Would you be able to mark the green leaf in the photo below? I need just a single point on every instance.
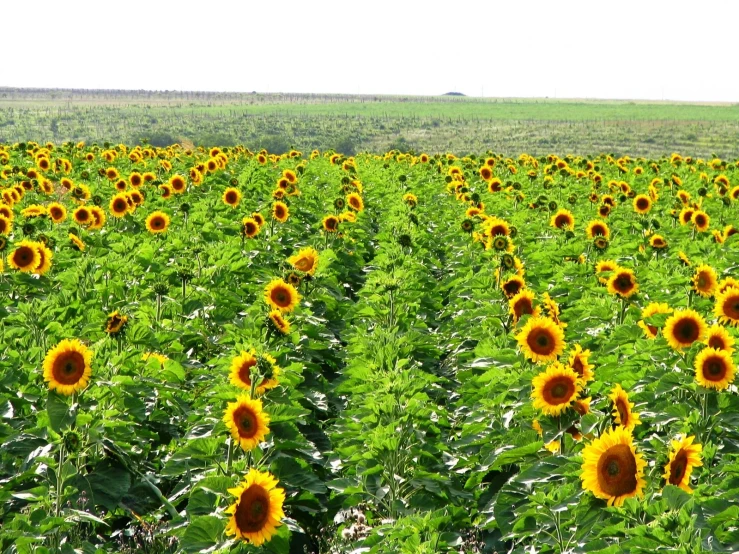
(202, 534)
(60, 413)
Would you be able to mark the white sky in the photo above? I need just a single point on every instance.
(649, 49)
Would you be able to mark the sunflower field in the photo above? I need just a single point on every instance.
(218, 350)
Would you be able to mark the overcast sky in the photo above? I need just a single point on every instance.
(645, 49)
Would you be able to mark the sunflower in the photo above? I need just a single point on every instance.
(67, 367)
(6, 225)
(136, 179)
(6, 211)
(231, 197)
(541, 340)
(25, 257)
(410, 199)
(555, 389)
(115, 323)
(77, 242)
(684, 259)
(598, 228)
(701, 220)
(727, 306)
(657, 241)
(178, 184)
(246, 421)
(157, 222)
(250, 227)
(135, 197)
(330, 223)
(496, 226)
(653, 308)
(486, 173)
(623, 283)
(686, 216)
(259, 218)
(278, 322)
(684, 456)
(45, 255)
(622, 409)
(98, 218)
(290, 176)
(118, 206)
(705, 281)
(306, 260)
(121, 185)
(82, 216)
(280, 211)
(513, 286)
(605, 266)
(579, 361)
(355, 202)
(612, 469)
(563, 219)
(642, 204)
(683, 328)
(714, 369)
(241, 365)
(495, 185)
(523, 304)
(166, 191)
(112, 173)
(256, 514)
(720, 339)
(281, 295)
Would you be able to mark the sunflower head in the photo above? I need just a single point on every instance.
(306, 260)
(642, 204)
(720, 339)
(231, 197)
(257, 512)
(541, 340)
(579, 361)
(612, 469)
(726, 308)
(598, 228)
(555, 389)
(247, 422)
(654, 308)
(684, 328)
(563, 219)
(25, 257)
(513, 286)
(67, 367)
(281, 295)
(705, 280)
(622, 409)
(280, 212)
(623, 283)
(115, 323)
(157, 222)
(277, 322)
(714, 369)
(248, 364)
(684, 456)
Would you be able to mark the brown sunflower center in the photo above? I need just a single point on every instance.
(700, 220)
(231, 197)
(250, 229)
(559, 391)
(23, 256)
(562, 221)
(246, 422)
(541, 342)
(245, 371)
(642, 203)
(714, 369)
(623, 412)
(281, 297)
(252, 511)
(157, 222)
(717, 342)
(68, 368)
(624, 283)
(617, 471)
(304, 264)
(687, 331)
(731, 307)
(678, 467)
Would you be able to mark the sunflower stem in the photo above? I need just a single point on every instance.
(229, 462)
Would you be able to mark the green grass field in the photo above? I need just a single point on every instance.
(353, 123)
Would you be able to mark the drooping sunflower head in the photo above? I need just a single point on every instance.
(231, 197)
(6, 225)
(579, 361)
(654, 308)
(714, 369)
(45, 255)
(115, 323)
(513, 286)
(281, 295)
(686, 215)
(245, 363)
(563, 219)
(555, 389)
(250, 227)
(622, 409)
(541, 340)
(612, 469)
(280, 211)
(705, 280)
(278, 322)
(623, 283)
(657, 241)
(523, 304)
(684, 456)
(726, 308)
(157, 222)
(247, 422)
(306, 260)
(259, 218)
(257, 512)
(67, 367)
(77, 242)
